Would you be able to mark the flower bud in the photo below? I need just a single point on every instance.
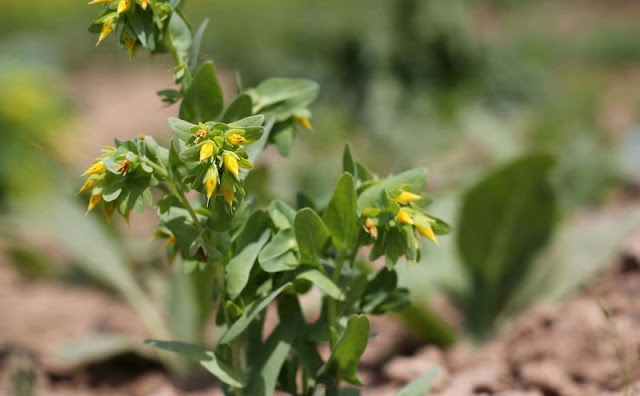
(144, 4)
(210, 182)
(201, 134)
(304, 121)
(403, 217)
(97, 168)
(88, 184)
(231, 163)
(93, 201)
(236, 139)
(371, 228)
(406, 197)
(123, 6)
(123, 167)
(227, 189)
(107, 29)
(130, 45)
(428, 232)
(108, 212)
(206, 151)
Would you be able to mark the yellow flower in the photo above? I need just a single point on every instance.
(97, 168)
(123, 167)
(428, 232)
(236, 139)
(93, 201)
(130, 45)
(403, 217)
(100, 1)
(304, 121)
(108, 212)
(373, 230)
(201, 134)
(144, 4)
(406, 197)
(211, 182)
(107, 29)
(89, 183)
(228, 191)
(123, 6)
(206, 151)
(231, 163)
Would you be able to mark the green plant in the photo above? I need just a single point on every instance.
(249, 257)
(505, 221)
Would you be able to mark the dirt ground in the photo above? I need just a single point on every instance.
(588, 345)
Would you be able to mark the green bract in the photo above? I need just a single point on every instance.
(243, 257)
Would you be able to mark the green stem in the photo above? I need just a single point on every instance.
(332, 307)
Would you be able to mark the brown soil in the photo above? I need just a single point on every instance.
(589, 345)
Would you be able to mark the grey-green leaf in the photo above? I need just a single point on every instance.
(311, 234)
(238, 269)
(203, 99)
(207, 358)
(346, 354)
(415, 179)
(323, 282)
(341, 216)
(181, 128)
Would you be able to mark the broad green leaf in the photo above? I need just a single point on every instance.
(341, 216)
(240, 108)
(195, 47)
(323, 282)
(207, 358)
(203, 99)
(249, 121)
(415, 179)
(238, 270)
(285, 262)
(250, 312)
(420, 386)
(311, 234)
(181, 128)
(347, 351)
(281, 243)
(283, 136)
(281, 97)
(505, 220)
(281, 214)
(180, 34)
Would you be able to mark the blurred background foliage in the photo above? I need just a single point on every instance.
(460, 87)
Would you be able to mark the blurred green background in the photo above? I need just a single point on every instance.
(458, 86)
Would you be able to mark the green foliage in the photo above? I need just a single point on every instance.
(249, 257)
(506, 220)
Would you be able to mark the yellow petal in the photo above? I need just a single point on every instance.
(373, 230)
(93, 201)
(428, 232)
(210, 183)
(97, 168)
(304, 121)
(236, 139)
(206, 151)
(130, 45)
(100, 1)
(108, 212)
(89, 183)
(123, 6)
(404, 217)
(405, 197)
(144, 4)
(107, 29)
(231, 163)
(227, 193)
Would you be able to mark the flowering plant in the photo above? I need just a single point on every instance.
(257, 256)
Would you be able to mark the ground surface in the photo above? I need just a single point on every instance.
(588, 345)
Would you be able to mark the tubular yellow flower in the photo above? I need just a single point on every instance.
(403, 217)
(304, 121)
(428, 232)
(93, 201)
(97, 168)
(123, 6)
(130, 45)
(206, 151)
(236, 139)
(406, 197)
(107, 29)
(89, 183)
(231, 163)
(373, 230)
(227, 191)
(211, 182)
(108, 212)
(144, 4)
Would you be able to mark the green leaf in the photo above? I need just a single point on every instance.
(207, 358)
(241, 107)
(281, 214)
(195, 48)
(505, 220)
(181, 128)
(282, 97)
(239, 268)
(203, 99)
(348, 164)
(285, 262)
(311, 235)
(420, 386)
(281, 243)
(323, 282)
(347, 351)
(180, 34)
(250, 312)
(414, 179)
(283, 136)
(341, 216)
(98, 348)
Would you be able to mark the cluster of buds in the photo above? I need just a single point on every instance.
(219, 150)
(129, 17)
(120, 178)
